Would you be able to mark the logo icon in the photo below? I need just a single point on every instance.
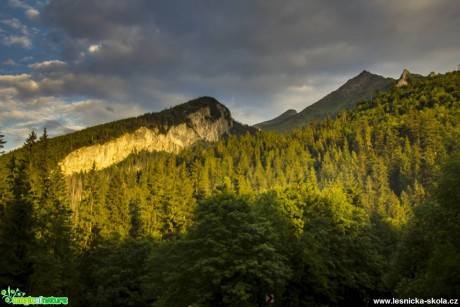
(8, 294)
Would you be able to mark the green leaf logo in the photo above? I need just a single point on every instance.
(7, 295)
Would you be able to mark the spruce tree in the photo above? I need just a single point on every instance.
(30, 149)
(2, 143)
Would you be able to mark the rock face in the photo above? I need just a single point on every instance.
(199, 126)
(402, 81)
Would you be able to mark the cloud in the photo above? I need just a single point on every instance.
(32, 14)
(15, 24)
(207, 39)
(52, 81)
(21, 115)
(94, 48)
(48, 65)
(23, 36)
(18, 3)
(22, 41)
(21, 83)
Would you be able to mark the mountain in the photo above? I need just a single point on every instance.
(361, 87)
(201, 119)
(277, 120)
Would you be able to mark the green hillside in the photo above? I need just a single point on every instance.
(343, 211)
(100, 134)
(361, 87)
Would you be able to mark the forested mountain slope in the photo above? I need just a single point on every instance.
(341, 212)
(361, 87)
(201, 119)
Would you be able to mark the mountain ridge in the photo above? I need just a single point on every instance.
(289, 113)
(360, 87)
(197, 127)
(170, 130)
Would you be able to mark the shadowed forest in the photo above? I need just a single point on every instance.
(361, 206)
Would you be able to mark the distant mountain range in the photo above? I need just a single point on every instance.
(362, 87)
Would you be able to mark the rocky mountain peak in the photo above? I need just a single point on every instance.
(403, 80)
(365, 73)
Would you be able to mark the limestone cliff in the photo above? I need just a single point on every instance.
(200, 125)
(403, 80)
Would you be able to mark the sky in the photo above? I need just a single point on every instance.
(69, 64)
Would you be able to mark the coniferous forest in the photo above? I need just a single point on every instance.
(348, 209)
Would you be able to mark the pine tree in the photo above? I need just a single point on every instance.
(44, 162)
(2, 143)
(30, 149)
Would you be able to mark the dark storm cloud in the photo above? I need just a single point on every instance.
(250, 46)
(240, 36)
